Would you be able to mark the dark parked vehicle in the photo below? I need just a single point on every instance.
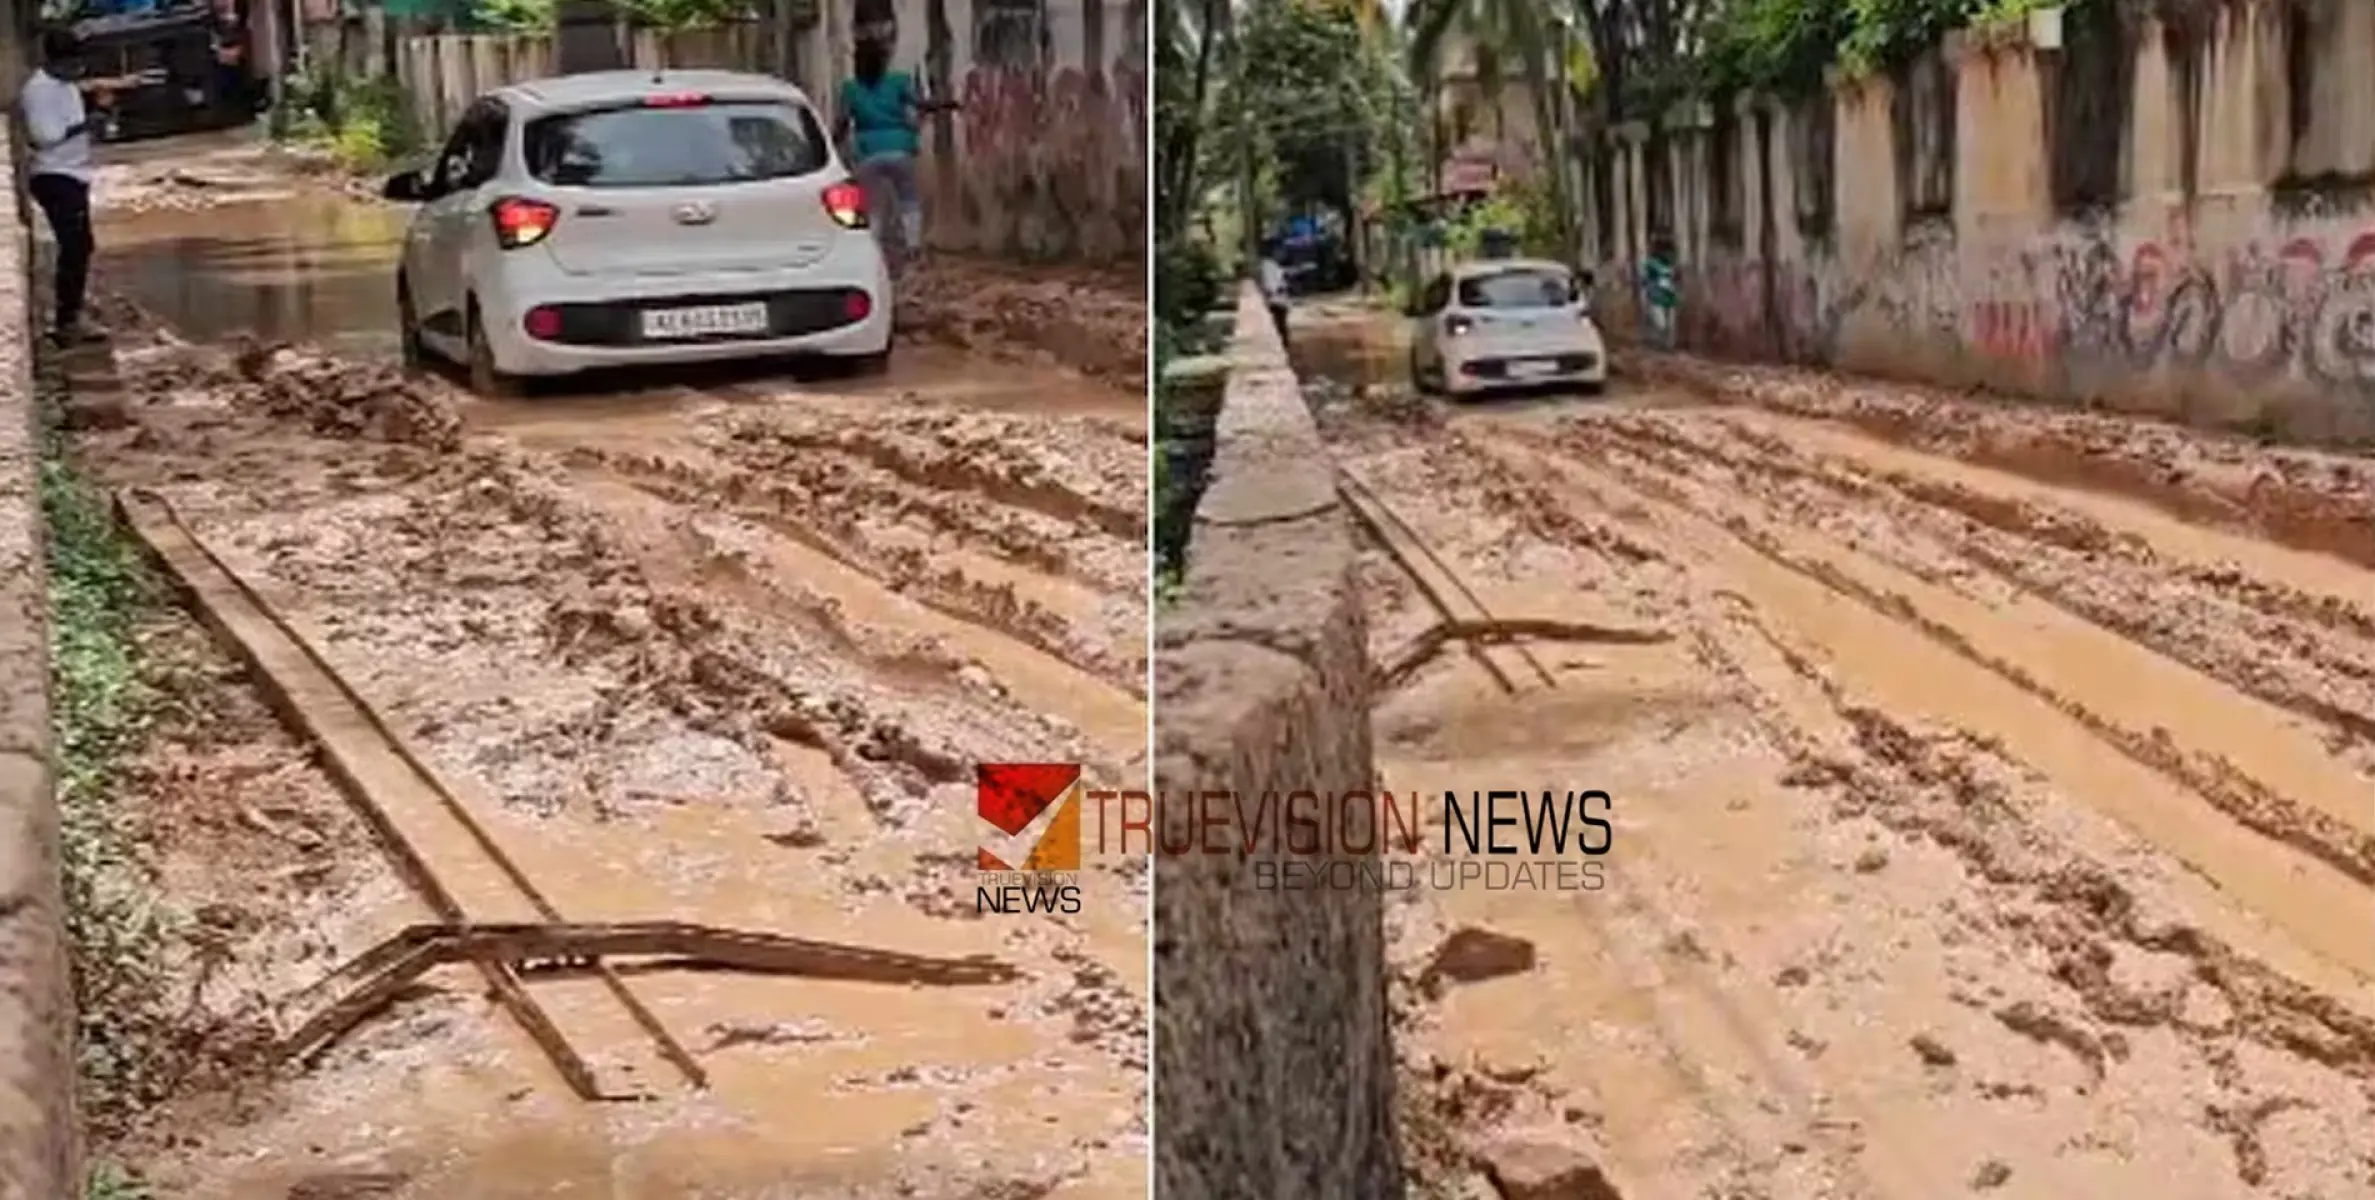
(172, 68)
(1315, 261)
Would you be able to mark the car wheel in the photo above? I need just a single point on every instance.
(485, 378)
(1419, 381)
(408, 326)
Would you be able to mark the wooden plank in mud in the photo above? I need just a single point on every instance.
(419, 824)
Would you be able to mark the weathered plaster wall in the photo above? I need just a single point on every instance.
(1273, 1058)
(1047, 159)
(37, 1127)
(2226, 277)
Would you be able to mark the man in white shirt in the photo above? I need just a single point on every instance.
(59, 129)
(1271, 278)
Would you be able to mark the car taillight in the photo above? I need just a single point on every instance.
(845, 202)
(1455, 326)
(522, 222)
(676, 100)
(857, 306)
(543, 323)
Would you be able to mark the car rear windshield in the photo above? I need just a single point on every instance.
(1518, 289)
(643, 146)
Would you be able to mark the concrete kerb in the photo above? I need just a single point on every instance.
(1273, 1059)
(39, 1148)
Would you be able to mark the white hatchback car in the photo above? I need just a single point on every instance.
(622, 218)
(1501, 323)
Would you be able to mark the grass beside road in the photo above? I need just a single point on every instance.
(101, 709)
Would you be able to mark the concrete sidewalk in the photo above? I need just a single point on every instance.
(38, 1139)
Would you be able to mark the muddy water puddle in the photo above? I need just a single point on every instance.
(321, 269)
(295, 268)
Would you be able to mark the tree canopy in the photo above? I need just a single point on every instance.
(1314, 91)
(1635, 58)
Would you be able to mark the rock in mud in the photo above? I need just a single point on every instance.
(1533, 1170)
(348, 1185)
(341, 398)
(1472, 955)
(1089, 321)
(1931, 1051)
(94, 414)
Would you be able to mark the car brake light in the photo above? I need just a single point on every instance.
(845, 202)
(1456, 325)
(857, 306)
(676, 100)
(543, 323)
(521, 222)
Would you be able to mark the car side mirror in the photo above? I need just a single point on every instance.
(411, 187)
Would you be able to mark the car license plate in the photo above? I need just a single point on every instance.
(1533, 368)
(708, 320)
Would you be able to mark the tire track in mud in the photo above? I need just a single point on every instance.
(1994, 521)
(684, 711)
(1650, 521)
(2305, 500)
(1960, 792)
(2285, 887)
(2331, 825)
(798, 515)
(2299, 651)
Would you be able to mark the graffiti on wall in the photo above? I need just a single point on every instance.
(1009, 34)
(1054, 158)
(2296, 306)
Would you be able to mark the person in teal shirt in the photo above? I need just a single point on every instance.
(881, 114)
(1659, 292)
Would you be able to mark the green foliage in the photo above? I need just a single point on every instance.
(1187, 282)
(1779, 46)
(1783, 46)
(1168, 502)
(521, 15)
(685, 14)
(101, 709)
(1527, 212)
(367, 124)
(106, 1181)
(1313, 95)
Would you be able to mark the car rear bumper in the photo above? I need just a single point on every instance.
(1494, 373)
(601, 317)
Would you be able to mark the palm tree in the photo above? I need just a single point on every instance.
(1187, 36)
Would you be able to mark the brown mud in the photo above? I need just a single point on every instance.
(222, 234)
(723, 654)
(2000, 816)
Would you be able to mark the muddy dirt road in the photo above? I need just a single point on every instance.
(722, 650)
(1998, 814)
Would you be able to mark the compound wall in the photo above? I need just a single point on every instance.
(37, 1128)
(1047, 158)
(1273, 1060)
(2169, 218)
